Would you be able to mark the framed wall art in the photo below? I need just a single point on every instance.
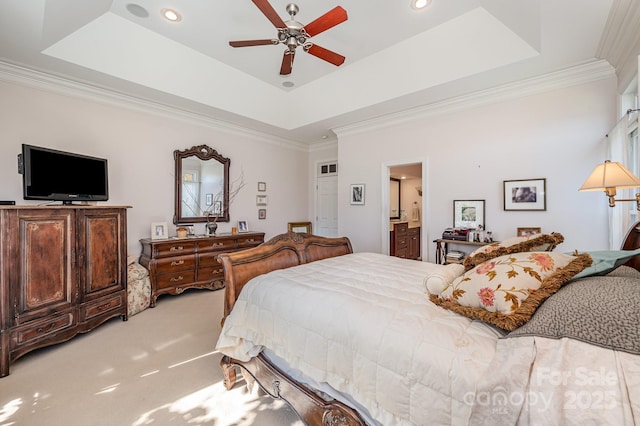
(261, 200)
(262, 213)
(357, 194)
(468, 214)
(525, 195)
(262, 186)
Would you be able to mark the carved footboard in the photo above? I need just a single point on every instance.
(283, 251)
(314, 410)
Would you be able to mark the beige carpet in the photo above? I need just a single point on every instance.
(158, 368)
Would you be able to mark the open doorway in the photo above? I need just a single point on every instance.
(405, 211)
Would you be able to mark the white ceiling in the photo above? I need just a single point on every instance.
(397, 58)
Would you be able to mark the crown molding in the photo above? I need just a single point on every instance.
(24, 76)
(579, 74)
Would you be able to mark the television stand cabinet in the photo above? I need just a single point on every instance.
(63, 271)
(177, 264)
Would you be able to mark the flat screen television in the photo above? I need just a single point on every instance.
(49, 174)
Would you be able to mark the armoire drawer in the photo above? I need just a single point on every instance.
(41, 329)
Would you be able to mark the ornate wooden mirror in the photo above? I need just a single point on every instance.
(201, 185)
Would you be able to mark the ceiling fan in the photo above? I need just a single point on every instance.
(293, 34)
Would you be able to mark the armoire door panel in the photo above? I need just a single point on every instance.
(103, 253)
(46, 252)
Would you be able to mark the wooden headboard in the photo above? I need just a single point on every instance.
(280, 252)
(632, 242)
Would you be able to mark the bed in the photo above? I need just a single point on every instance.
(393, 341)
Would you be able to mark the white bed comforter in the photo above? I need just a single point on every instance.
(363, 324)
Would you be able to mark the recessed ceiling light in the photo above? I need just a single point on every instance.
(288, 84)
(171, 15)
(420, 4)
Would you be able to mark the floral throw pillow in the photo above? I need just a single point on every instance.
(506, 291)
(535, 242)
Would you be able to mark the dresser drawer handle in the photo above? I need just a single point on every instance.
(216, 271)
(176, 248)
(103, 307)
(177, 262)
(178, 278)
(250, 240)
(217, 244)
(46, 328)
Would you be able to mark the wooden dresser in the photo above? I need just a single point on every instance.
(176, 264)
(404, 241)
(63, 272)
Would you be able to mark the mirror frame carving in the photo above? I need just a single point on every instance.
(204, 153)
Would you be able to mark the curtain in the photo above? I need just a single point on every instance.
(620, 217)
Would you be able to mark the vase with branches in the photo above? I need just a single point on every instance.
(218, 208)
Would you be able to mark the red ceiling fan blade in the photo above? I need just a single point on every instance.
(287, 62)
(326, 54)
(330, 19)
(268, 11)
(246, 43)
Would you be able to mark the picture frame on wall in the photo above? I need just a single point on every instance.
(262, 213)
(159, 231)
(357, 194)
(468, 214)
(261, 200)
(262, 186)
(525, 195)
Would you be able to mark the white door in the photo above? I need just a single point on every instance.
(327, 206)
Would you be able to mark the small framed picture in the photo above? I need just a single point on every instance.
(523, 232)
(528, 194)
(217, 208)
(261, 200)
(262, 186)
(262, 213)
(243, 226)
(159, 231)
(357, 194)
(209, 199)
(468, 214)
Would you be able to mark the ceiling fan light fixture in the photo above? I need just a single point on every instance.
(171, 15)
(420, 4)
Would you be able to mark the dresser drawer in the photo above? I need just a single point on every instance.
(402, 241)
(178, 263)
(209, 260)
(249, 241)
(101, 306)
(40, 329)
(176, 248)
(207, 274)
(176, 279)
(219, 244)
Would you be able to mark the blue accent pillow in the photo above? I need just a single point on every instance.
(605, 261)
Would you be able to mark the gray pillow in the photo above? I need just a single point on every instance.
(600, 310)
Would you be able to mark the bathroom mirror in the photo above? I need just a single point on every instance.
(394, 199)
(201, 185)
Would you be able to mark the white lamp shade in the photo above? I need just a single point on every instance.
(610, 175)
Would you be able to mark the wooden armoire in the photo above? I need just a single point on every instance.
(62, 272)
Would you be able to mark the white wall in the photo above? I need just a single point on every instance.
(557, 135)
(139, 147)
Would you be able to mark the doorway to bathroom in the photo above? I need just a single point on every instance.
(404, 219)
